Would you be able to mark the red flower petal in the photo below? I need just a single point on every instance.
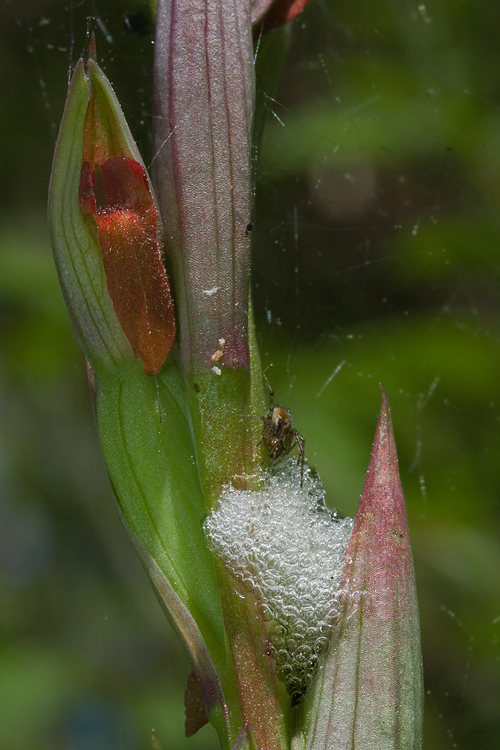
(117, 196)
(268, 15)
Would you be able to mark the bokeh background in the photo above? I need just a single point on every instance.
(377, 238)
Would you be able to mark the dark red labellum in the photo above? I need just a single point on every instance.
(117, 196)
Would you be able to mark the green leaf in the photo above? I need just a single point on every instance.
(146, 439)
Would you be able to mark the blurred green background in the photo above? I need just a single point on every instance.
(377, 242)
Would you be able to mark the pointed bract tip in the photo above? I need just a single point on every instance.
(385, 400)
(92, 50)
(384, 457)
(385, 408)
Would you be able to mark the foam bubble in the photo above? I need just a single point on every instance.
(287, 548)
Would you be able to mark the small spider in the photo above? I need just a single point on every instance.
(279, 434)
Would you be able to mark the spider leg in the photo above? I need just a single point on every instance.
(271, 392)
(300, 445)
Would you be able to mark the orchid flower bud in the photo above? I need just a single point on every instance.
(105, 231)
(267, 14)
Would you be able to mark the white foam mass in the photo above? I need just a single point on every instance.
(287, 548)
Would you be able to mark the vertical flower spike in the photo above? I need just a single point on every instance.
(369, 695)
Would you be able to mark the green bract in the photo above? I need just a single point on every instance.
(76, 251)
(369, 694)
